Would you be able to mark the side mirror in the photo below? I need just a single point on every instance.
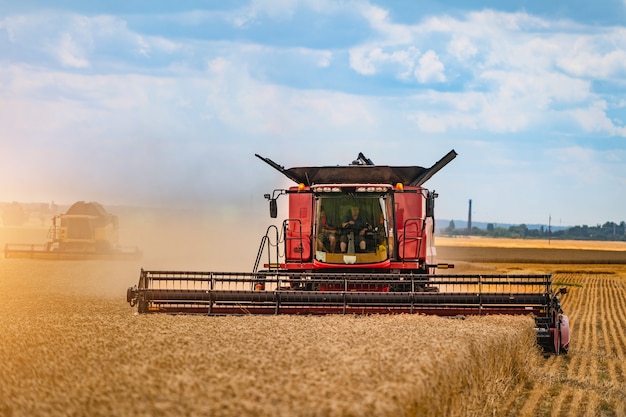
(563, 290)
(430, 204)
(273, 208)
(430, 207)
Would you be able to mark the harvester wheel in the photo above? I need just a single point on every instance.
(130, 296)
(562, 350)
(142, 305)
(557, 337)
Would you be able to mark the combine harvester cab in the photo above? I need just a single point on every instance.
(358, 239)
(85, 231)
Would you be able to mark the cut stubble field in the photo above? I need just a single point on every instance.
(72, 346)
(591, 379)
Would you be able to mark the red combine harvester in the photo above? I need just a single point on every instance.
(358, 240)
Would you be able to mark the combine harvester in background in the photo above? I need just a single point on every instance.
(358, 240)
(85, 231)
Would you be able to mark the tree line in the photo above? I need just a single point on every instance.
(607, 231)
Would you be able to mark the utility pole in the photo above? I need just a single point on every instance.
(549, 225)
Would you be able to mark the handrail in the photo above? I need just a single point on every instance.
(287, 238)
(266, 240)
(417, 237)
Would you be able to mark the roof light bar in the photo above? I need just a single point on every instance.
(375, 188)
(327, 189)
(370, 189)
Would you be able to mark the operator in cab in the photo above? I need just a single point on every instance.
(357, 224)
(327, 235)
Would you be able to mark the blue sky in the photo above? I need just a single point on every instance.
(166, 103)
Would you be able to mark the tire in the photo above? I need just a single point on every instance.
(558, 342)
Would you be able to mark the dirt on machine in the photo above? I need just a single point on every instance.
(85, 231)
(357, 239)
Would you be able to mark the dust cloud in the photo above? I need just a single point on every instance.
(191, 240)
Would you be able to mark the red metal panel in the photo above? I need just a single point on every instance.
(410, 211)
(298, 238)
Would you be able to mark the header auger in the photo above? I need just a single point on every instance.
(358, 239)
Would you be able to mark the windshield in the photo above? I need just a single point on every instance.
(352, 228)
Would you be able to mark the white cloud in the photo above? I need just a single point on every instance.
(390, 33)
(143, 46)
(514, 103)
(361, 60)
(11, 25)
(538, 91)
(369, 60)
(593, 119)
(462, 48)
(276, 10)
(250, 106)
(491, 20)
(218, 65)
(250, 14)
(584, 60)
(70, 53)
(430, 68)
(325, 59)
(243, 19)
(76, 41)
(319, 57)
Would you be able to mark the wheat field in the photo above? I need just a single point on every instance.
(72, 346)
(591, 379)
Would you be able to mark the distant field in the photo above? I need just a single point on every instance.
(529, 243)
(478, 249)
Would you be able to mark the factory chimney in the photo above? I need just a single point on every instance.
(469, 218)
